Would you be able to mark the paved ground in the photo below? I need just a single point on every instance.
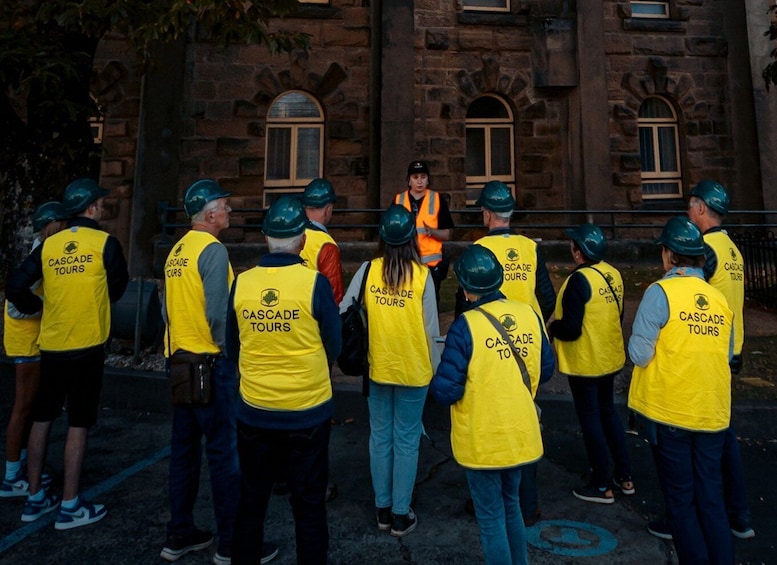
(126, 469)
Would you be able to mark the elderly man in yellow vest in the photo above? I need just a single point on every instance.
(284, 330)
(198, 276)
(681, 344)
(433, 221)
(83, 271)
(495, 356)
(321, 252)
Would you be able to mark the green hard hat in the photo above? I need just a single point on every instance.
(478, 270)
(682, 236)
(286, 218)
(496, 196)
(48, 212)
(200, 193)
(590, 239)
(397, 225)
(80, 193)
(318, 194)
(713, 194)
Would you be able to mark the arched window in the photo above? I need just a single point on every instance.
(490, 154)
(649, 9)
(295, 141)
(96, 125)
(659, 149)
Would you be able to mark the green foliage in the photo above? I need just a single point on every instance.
(770, 72)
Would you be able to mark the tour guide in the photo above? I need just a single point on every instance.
(283, 328)
(681, 344)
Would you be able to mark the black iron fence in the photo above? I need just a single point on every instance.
(759, 250)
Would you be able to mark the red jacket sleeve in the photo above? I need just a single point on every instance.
(329, 266)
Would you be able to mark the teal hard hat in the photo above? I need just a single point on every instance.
(48, 212)
(478, 270)
(318, 194)
(590, 239)
(682, 236)
(200, 193)
(713, 194)
(286, 218)
(496, 197)
(80, 193)
(397, 225)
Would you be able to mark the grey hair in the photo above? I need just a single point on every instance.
(285, 245)
(200, 216)
(503, 215)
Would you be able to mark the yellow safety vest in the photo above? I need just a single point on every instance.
(599, 350)
(76, 306)
(518, 256)
(729, 278)
(495, 424)
(283, 364)
(314, 241)
(687, 384)
(20, 336)
(428, 208)
(399, 351)
(185, 296)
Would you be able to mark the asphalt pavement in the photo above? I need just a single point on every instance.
(126, 469)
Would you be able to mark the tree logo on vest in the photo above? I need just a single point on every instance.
(701, 302)
(178, 250)
(512, 255)
(608, 277)
(508, 322)
(733, 253)
(270, 297)
(70, 247)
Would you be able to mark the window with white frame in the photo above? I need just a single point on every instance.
(486, 5)
(295, 141)
(659, 149)
(490, 156)
(649, 9)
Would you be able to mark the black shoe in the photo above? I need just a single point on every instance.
(269, 552)
(660, 529)
(178, 546)
(280, 488)
(601, 495)
(403, 524)
(741, 530)
(384, 518)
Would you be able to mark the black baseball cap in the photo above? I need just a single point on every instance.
(417, 167)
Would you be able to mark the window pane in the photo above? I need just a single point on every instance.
(668, 149)
(649, 9)
(500, 152)
(293, 105)
(487, 107)
(655, 108)
(476, 152)
(278, 153)
(308, 151)
(653, 188)
(646, 150)
(485, 4)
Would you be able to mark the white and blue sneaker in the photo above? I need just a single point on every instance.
(83, 514)
(34, 509)
(19, 486)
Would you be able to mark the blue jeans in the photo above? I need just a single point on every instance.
(217, 423)
(734, 482)
(302, 458)
(689, 470)
(395, 432)
(602, 428)
(502, 532)
(528, 494)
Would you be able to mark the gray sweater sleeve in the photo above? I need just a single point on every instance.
(213, 265)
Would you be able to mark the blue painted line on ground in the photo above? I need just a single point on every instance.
(19, 535)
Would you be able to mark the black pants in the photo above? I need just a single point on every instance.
(302, 456)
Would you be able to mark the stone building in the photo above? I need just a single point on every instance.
(584, 105)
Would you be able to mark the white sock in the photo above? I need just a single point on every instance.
(38, 496)
(70, 504)
(11, 469)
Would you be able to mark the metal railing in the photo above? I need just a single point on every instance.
(759, 251)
